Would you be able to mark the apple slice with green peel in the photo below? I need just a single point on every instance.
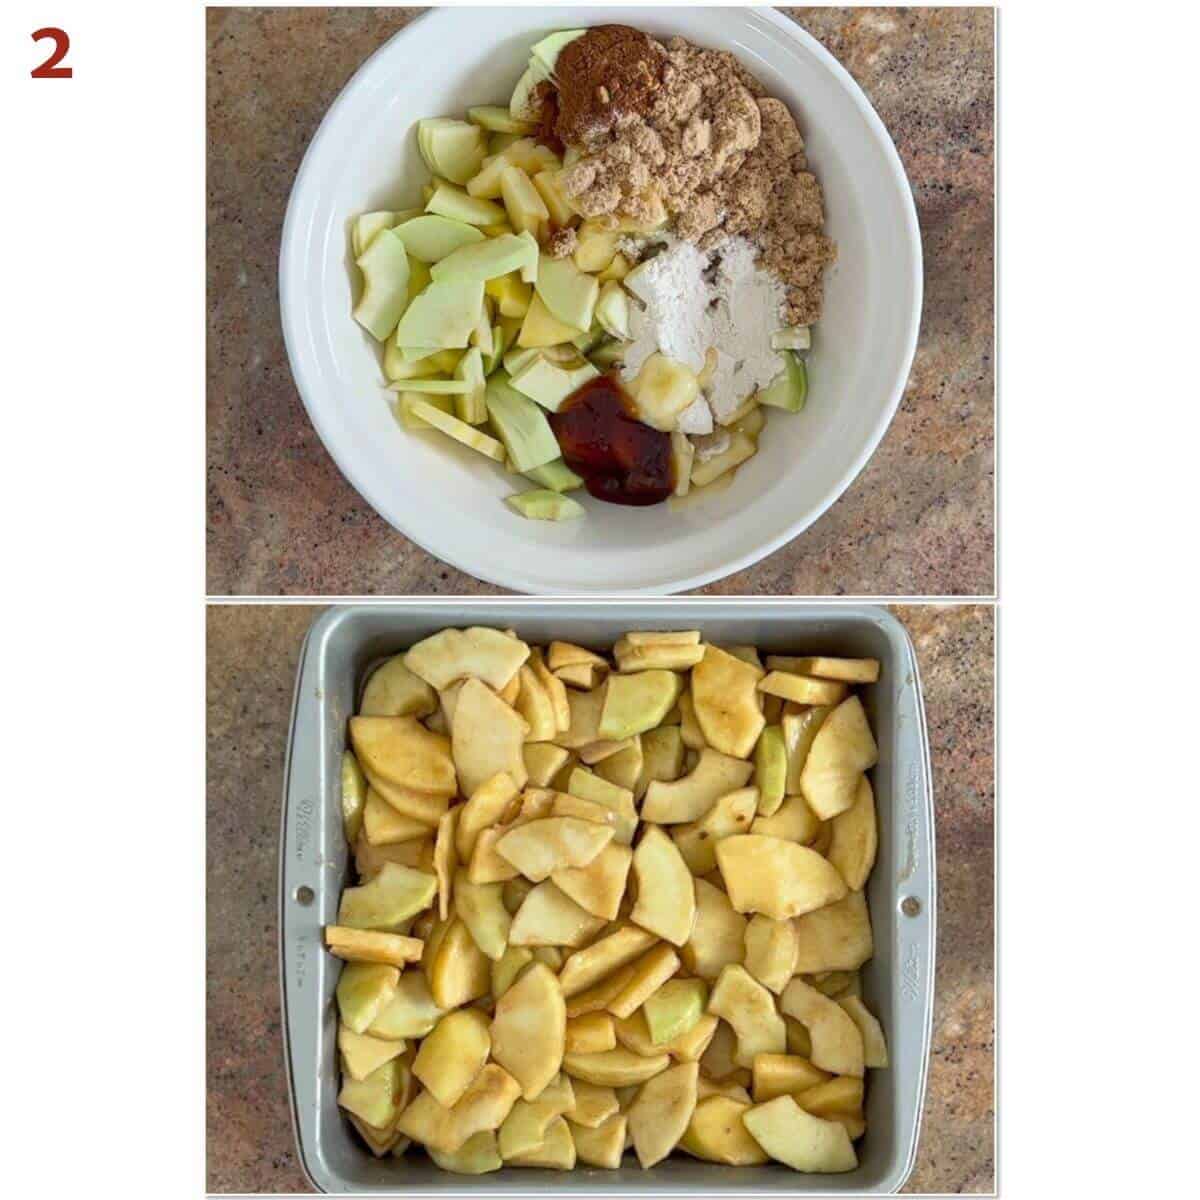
(546, 51)
(529, 269)
(521, 106)
(455, 204)
(541, 504)
(366, 226)
(635, 703)
(453, 149)
(612, 309)
(674, 1009)
(556, 476)
(432, 387)
(550, 384)
(469, 405)
(492, 358)
(521, 425)
(789, 389)
(460, 431)
(567, 292)
(384, 265)
(485, 260)
(526, 208)
(496, 119)
(363, 991)
(429, 238)
(443, 315)
(794, 337)
(411, 420)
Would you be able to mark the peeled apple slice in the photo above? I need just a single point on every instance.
(430, 238)
(497, 120)
(443, 315)
(484, 260)
(384, 265)
(453, 149)
(460, 431)
(366, 227)
(452, 202)
(567, 292)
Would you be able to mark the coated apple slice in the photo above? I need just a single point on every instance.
(725, 698)
(487, 654)
(660, 1115)
(779, 878)
(837, 1045)
(487, 737)
(666, 895)
(529, 1029)
(541, 847)
(688, 799)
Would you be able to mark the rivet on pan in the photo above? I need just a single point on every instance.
(305, 895)
(910, 906)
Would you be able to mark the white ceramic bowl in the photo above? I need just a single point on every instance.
(448, 499)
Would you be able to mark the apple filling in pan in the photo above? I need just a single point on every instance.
(641, 213)
(607, 902)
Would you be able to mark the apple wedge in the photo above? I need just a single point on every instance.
(534, 704)
(587, 785)
(598, 887)
(848, 670)
(716, 1134)
(540, 848)
(666, 896)
(584, 727)
(798, 1140)
(486, 654)
(718, 934)
(387, 901)
(457, 970)
(601, 1145)
(624, 768)
(725, 697)
(363, 1054)
(800, 724)
(874, 1043)
(749, 1008)
(636, 703)
(480, 907)
(543, 761)
(483, 1106)
(556, 1151)
(363, 945)
(646, 976)
(800, 689)
(383, 825)
(674, 1009)
(445, 859)
(591, 1033)
(834, 938)
(615, 1068)
(854, 838)
(660, 1114)
(778, 878)
(375, 1099)
(784, 1074)
(488, 805)
(478, 1155)
(487, 737)
(363, 991)
(793, 821)
(402, 751)
(529, 1030)
(451, 1056)
(771, 949)
(604, 957)
(688, 799)
(410, 1012)
(837, 1045)
(548, 917)
(697, 840)
(843, 748)
(354, 796)
(394, 691)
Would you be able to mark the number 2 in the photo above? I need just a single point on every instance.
(50, 68)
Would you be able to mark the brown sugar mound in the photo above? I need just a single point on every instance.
(702, 145)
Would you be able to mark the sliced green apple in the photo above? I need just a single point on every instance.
(443, 315)
(484, 260)
(453, 149)
(452, 202)
(384, 265)
(567, 292)
(789, 389)
(429, 238)
(521, 425)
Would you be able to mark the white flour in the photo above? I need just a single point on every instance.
(684, 314)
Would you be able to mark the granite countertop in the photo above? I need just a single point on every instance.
(252, 656)
(281, 518)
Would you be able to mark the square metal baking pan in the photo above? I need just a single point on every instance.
(341, 647)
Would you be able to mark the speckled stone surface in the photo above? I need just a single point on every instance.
(282, 520)
(252, 656)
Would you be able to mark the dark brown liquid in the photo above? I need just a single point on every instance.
(620, 459)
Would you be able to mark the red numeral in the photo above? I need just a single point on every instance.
(50, 68)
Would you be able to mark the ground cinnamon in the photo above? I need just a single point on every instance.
(612, 71)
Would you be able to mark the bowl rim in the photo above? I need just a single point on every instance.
(514, 579)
